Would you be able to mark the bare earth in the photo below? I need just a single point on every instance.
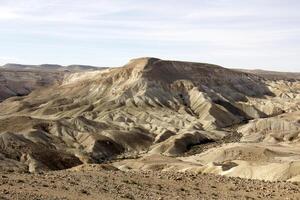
(93, 182)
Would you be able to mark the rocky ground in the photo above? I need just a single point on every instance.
(103, 182)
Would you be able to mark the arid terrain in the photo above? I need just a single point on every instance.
(103, 182)
(20, 80)
(151, 129)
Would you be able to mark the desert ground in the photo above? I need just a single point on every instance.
(104, 182)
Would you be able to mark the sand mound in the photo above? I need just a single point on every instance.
(180, 143)
(255, 161)
(282, 128)
(155, 162)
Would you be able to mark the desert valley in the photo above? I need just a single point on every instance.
(151, 129)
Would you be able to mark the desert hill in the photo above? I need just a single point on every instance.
(20, 80)
(152, 108)
(48, 67)
(274, 75)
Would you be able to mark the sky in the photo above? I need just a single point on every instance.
(250, 34)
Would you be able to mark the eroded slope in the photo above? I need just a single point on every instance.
(149, 107)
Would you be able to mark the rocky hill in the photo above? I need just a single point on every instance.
(274, 75)
(48, 67)
(20, 80)
(152, 109)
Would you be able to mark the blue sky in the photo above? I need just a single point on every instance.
(232, 33)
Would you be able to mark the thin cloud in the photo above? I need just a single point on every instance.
(218, 28)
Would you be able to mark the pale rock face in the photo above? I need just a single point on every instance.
(153, 108)
(282, 128)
